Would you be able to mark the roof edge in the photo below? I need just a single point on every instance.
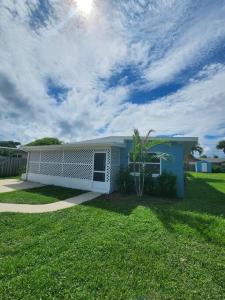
(72, 146)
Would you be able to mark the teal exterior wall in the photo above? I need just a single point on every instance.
(175, 165)
(198, 166)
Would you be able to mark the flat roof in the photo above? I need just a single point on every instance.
(72, 146)
(110, 141)
(212, 160)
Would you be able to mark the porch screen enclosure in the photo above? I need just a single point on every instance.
(87, 165)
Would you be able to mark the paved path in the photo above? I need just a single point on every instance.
(44, 208)
(10, 185)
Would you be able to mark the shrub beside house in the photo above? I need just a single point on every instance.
(93, 165)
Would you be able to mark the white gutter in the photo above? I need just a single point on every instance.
(72, 146)
(10, 148)
(27, 166)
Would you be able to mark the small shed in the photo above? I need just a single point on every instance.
(203, 166)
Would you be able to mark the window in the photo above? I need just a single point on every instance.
(99, 166)
(99, 176)
(152, 165)
(99, 162)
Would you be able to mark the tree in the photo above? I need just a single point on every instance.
(203, 156)
(215, 156)
(198, 149)
(8, 144)
(45, 141)
(221, 146)
(139, 156)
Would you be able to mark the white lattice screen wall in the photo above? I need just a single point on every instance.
(67, 163)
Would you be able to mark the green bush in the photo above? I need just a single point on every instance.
(218, 169)
(124, 181)
(151, 185)
(167, 185)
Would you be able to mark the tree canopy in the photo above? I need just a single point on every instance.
(221, 146)
(198, 149)
(45, 141)
(9, 144)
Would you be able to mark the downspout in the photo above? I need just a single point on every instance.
(28, 158)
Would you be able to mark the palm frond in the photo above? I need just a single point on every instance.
(152, 143)
(162, 155)
(147, 135)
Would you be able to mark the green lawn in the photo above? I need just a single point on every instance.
(11, 177)
(118, 247)
(41, 195)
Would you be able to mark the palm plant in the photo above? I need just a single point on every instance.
(141, 148)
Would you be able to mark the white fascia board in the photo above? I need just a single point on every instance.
(74, 146)
(170, 139)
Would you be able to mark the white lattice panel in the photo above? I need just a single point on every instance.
(53, 169)
(71, 163)
(51, 156)
(108, 164)
(77, 171)
(84, 156)
(35, 156)
(33, 167)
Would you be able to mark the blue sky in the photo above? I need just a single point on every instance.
(75, 74)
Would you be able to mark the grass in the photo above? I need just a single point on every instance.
(41, 195)
(11, 177)
(118, 247)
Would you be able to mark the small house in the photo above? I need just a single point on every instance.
(93, 165)
(206, 165)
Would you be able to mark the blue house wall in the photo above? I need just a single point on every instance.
(175, 165)
(198, 166)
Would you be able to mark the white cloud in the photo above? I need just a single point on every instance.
(196, 110)
(201, 34)
(159, 39)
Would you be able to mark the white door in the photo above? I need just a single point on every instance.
(99, 172)
(204, 167)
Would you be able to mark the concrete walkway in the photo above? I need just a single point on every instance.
(44, 208)
(10, 185)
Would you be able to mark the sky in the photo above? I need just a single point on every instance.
(77, 72)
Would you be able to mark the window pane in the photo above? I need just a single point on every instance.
(152, 168)
(99, 176)
(131, 157)
(134, 167)
(151, 157)
(99, 162)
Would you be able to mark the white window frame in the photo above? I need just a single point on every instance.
(147, 163)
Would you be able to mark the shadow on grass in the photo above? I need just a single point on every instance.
(200, 197)
(196, 212)
(60, 193)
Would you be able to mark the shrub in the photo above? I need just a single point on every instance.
(218, 169)
(167, 185)
(151, 185)
(124, 181)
